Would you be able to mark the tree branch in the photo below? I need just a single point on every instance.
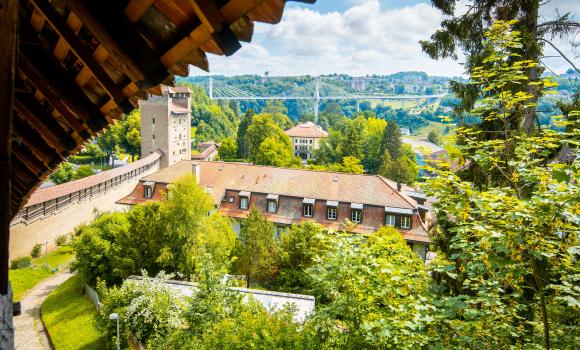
(561, 54)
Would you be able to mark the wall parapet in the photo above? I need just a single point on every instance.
(51, 200)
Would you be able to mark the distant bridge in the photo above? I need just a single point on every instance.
(315, 89)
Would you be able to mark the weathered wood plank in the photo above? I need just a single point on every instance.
(8, 44)
(137, 8)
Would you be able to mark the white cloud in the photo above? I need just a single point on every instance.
(364, 39)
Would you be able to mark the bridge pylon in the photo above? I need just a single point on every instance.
(316, 98)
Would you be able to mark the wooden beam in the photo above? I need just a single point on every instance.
(54, 82)
(217, 25)
(137, 8)
(8, 45)
(84, 54)
(29, 137)
(108, 23)
(31, 111)
(29, 159)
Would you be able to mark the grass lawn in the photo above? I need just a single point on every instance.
(69, 317)
(24, 279)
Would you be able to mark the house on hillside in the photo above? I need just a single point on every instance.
(355, 203)
(305, 139)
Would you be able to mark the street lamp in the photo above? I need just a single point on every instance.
(115, 316)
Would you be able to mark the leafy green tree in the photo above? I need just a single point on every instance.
(434, 136)
(371, 294)
(279, 113)
(130, 133)
(172, 236)
(300, 245)
(64, 173)
(329, 150)
(83, 171)
(148, 310)
(228, 149)
(506, 257)
(243, 150)
(373, 132)
(349, 165)
(109, 141)
(276, 152)
(465, 30)
(262, 127)
(391, 141)
(403, 169)
(352, 143)
(256, 250)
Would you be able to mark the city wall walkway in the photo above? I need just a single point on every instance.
(58, 210)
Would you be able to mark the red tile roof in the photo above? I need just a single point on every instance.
(352, 188)
(49, 193)
(308, 129)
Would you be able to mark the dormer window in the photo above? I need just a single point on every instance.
(356, 212)
(398, 217)
(405, 222)
(390, 220)
(272, 200)
(308, 207)
(331, 210)
(148, 188)
(244, 200)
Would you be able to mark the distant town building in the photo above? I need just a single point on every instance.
(165, 124)
(305, 139)
(339, 202)
(405, 131)
(425, 151)
(358, 84)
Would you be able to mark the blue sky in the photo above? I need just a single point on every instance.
(356, 37)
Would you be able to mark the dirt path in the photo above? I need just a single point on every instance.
(30, 334)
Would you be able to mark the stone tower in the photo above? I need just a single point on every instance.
(166, 123)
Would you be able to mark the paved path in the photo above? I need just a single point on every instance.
(29, 331)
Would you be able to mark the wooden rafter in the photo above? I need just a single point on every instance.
(28, 137)
(83, 53)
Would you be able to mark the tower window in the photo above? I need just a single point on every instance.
(153, 136)
(154, 121)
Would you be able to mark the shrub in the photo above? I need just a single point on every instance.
(61, 240)
(21, 263)
(82, 159)
(36, 250)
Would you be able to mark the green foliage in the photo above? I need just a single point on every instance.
(148, 310)
(154, 237)
(61, 240)
(276, 151)
(243, 150)
(36, 250)
(352, 142)
(434, 136)
(130, 133)
(83, 171)
(109, 141)
(403, 169)
(255, 249)
(299, 246)
(228, 149)
(370, 295)
(391, 141)
(219, 318)
(506, 244)
(349, 165)
(70, 317)
(21, 263)
(64, 173)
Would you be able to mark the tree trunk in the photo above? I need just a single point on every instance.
(248, 281)
(532, 51)
(545, 321)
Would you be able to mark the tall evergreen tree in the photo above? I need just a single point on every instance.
(256, 248)
(242, 129)
(352, 143)
(466, 30)
(391, 141)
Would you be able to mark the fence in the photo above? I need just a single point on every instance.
(51, 200)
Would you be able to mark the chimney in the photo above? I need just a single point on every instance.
(399, 186)
(196, 171)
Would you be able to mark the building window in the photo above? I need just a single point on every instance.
(356, 216)
(390, 220)
(405, 221)
(331, 213)
(231, 199)
(153, 136)
(244, 202)
(308, 210)
(148, 192)
(272, 206)
(153, 121)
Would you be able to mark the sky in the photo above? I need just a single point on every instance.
(358, 37)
